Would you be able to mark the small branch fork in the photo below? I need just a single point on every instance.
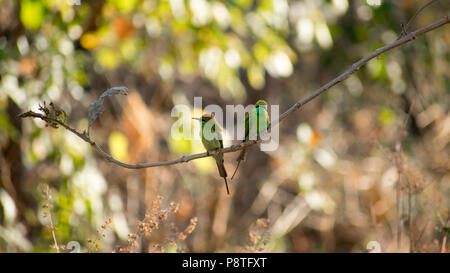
(406, 38)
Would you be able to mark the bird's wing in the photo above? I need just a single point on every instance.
(218, 131)
(247, 126)
(266, 117)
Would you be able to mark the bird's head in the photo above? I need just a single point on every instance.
(261, 103)
(205, 118)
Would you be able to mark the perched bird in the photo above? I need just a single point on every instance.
(211, 134)
(256, 121)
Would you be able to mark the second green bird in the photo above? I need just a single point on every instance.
(256, 121)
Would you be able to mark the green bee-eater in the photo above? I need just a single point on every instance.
(256, 121)
(211, 134)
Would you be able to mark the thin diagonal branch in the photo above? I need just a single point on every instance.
(405, 27)
(355, 67)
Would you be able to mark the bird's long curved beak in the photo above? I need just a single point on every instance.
(199, 119)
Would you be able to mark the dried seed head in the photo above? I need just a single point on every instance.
(182, 236)
(174, 207)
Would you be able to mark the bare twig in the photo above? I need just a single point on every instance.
(405, 27)
(355, 67)
(110, 158)
(47, 196)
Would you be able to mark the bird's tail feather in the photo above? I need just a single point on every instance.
(222, 170)
(241, 156)
(239, 159)
(226, 185)
(223, 173)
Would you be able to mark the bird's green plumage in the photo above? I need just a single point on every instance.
(256, 121)
(211, 134)
(259, 117)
